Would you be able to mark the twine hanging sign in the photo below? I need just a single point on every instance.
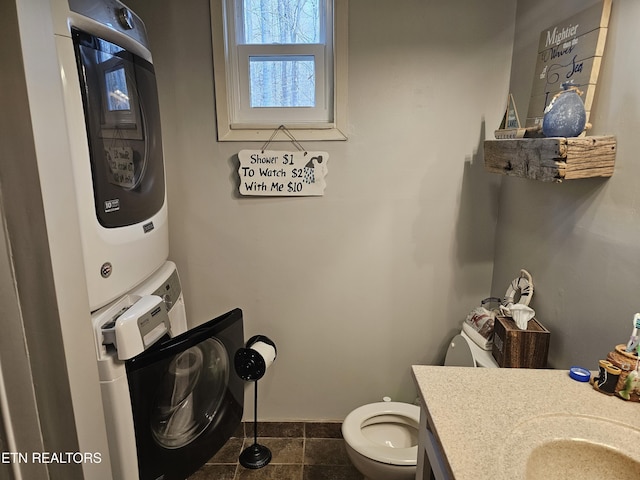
(282, 173)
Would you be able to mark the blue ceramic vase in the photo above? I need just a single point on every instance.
(565, 116)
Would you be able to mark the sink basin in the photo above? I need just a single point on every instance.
(579, 459)
(566, 447)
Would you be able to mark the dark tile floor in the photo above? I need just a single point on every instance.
(300, 451)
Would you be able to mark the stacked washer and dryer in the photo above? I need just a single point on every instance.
(170, 396)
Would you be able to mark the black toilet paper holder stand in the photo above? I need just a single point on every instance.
(251, 366)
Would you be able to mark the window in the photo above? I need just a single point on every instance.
(280, 62)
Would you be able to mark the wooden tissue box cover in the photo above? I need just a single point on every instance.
(517, 348)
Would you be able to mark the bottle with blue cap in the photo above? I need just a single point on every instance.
(580, 374)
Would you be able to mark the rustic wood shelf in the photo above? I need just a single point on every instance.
(551, 159)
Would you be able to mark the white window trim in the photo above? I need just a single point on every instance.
(227, 131)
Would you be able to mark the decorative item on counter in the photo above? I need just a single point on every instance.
(607, 378)
(634, 340)
(624, 361)
(628, 385)
(565, 115)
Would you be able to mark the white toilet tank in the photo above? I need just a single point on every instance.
(463, 352)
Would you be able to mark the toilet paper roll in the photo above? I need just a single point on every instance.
(266, 351)
(252, 362)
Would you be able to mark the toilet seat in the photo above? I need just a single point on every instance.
(381, 412)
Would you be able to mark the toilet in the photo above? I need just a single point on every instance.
(382, 438)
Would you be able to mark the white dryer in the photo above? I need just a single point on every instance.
(113, 120)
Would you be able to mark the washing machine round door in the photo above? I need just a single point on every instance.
(190, 394)
(459, 353)
(185, 400)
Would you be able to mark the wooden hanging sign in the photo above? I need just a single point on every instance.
(280, 173)
(569, 51)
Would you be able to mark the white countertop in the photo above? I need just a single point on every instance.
(486, 418)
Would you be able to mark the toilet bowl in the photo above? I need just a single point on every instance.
(382, 440)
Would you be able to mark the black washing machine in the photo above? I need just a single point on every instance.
(186, 398)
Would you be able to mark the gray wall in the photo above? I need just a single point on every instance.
(378, 274)
(579, 239)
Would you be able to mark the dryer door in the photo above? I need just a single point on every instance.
(187, 401)
(122, 116)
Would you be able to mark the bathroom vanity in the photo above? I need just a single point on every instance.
(493, 424)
